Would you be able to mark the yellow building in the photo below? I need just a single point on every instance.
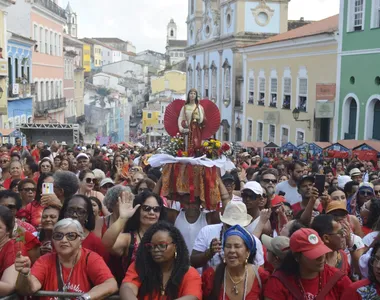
(293, 70)
(98, 57)
(87, 57)
(171, 80)
(150, 117)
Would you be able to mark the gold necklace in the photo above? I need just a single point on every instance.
(235, 283)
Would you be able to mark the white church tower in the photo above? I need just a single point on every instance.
(172, 30)
(72, 25)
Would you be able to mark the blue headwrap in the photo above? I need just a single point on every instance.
(244, 234)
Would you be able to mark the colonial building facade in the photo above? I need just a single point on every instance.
(216, 31)
(358, 113)
(292, 70)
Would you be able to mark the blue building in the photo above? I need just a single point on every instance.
(20, 87)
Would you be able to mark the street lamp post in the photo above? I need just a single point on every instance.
(296, 115)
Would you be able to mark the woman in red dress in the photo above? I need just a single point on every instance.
(236, 276)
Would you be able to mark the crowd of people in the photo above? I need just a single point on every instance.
(104, 229)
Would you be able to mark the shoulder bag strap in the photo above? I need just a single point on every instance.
(330, 284)
(59, 278)
(293, 289)
(131, 248)
(89, 279)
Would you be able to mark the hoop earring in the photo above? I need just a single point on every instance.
(175, 255)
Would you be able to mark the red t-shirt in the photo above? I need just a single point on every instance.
(7, 256)
(88, 272)
(275, 290)
(297, 208)
(361, 289)
(191, 284)
(32, 213)
(36, 155)
(94, 243)
(253, 294)
(7, 182)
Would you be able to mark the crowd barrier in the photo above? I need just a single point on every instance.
(53, 294)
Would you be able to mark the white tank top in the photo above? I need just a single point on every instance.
(190, 231)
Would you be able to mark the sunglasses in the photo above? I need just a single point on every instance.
(160, 247)
(70, 236)
(377, 192)
(270, 181)
(10, 206)
(91, 180)
(365, 193)
(80, 212)
(28, 190)
(4, 161)
(249, 195)
(147, 208)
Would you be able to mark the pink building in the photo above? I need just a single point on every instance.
(43, 21)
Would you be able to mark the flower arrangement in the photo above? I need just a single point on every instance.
(212, 148)
(175, 146)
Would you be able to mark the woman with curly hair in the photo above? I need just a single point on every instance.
(162, 268)
(367, 288)
(370, 213)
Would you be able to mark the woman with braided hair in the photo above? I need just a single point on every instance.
(162, 268)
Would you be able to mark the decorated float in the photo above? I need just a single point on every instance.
(193, 161)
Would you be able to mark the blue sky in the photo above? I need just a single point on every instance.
(143, 22)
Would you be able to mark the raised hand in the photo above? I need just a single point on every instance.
(126, 209)
(22, 263)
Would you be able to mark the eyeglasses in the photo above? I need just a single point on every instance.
(10, 206)
(80, 212)
(160, 247)
(91, 180)
(270, 181)
(365, 193)
(147, 208)
(70, 236)
(265, 196)
(28, 190)
(4, 161)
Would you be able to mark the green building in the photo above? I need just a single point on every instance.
(357, 113)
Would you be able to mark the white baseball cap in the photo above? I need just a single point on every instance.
(254, 186)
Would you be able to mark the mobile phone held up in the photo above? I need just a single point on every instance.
(319, 183)
(47, 188)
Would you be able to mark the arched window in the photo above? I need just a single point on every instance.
(172, 33)
(376, 121)
(352, 120)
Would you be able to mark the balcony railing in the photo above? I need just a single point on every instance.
(51, 6)
(43, 107)
(261, 102)
(273, 104)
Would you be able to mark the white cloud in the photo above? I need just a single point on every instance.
(143, 22)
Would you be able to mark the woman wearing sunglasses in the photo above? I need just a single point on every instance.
(162, 268)
(72, 268)
(79, 207)
(136, 216)
(87, 182)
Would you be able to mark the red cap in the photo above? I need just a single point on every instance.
(277, 200)
(307, 242)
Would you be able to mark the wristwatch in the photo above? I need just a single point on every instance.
(84, 297)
